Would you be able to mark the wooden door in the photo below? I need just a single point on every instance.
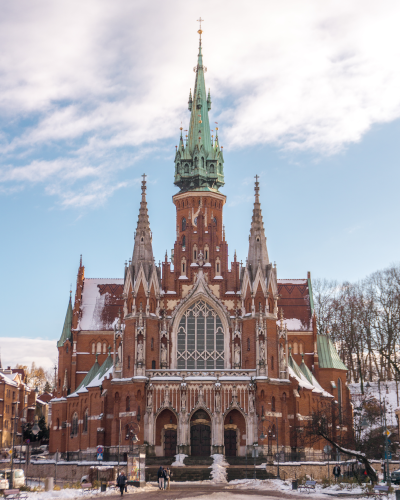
(230, 442)
(170, 443)
(200, 440)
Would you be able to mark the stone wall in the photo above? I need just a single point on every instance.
(73, 471)
(317, 470)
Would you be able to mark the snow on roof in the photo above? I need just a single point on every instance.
(292, 282)
(8, 380)
(295, 324)
(101, 301)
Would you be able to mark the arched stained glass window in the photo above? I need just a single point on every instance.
(200, 339)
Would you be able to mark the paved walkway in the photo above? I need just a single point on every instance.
(185, 490)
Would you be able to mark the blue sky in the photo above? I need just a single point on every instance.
(305, 97)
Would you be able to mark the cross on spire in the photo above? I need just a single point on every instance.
(200, 20)
(144, 177)
(256, 178)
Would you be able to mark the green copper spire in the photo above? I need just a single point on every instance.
(66, 333)
(199, 163)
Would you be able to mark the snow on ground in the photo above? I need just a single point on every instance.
(344, 489)
(71, 493)
(218, 467)
(388, 394)
(179, 460)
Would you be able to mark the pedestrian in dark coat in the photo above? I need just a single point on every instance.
(160, 476)
(121, 482)
(336, 471)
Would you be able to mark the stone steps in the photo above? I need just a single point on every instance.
(242, 461)
(205, 461)
(240, 473)
(181, 474)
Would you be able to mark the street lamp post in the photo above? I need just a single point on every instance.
(35, 431)
(262, 437)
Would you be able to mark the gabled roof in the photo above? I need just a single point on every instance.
(101, 303)
(105, 369)
(327, 354)
(306, 372)
(305, 378)
(295, 299)
(66, 332)
(90, 375)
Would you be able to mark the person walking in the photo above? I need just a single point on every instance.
(165, 476)
(168, 478)
(121, 482)
(160, 476)
(336, 472)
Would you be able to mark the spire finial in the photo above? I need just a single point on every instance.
(200, 31)
(257, 188)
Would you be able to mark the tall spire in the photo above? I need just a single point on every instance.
(66, 332)
(258, 253)
(199, 164)
(143, 249)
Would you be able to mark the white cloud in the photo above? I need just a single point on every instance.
(85, 80)
(23, 351)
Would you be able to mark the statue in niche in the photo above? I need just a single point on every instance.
(262, 351)
(140, 354)
(163, 354)
(237, 355)
(234, 393)
(251, 402)
(149, 399)
(183, 401)
(281, 358)
(201, 395)
(217, 401)
(166, 396)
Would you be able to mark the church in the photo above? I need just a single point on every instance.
(197, 355)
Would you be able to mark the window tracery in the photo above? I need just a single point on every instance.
(200, 339)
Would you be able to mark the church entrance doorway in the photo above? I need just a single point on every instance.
(200, 434)
(234, 434)
(230, 442)
(166, 434)
(170, 443)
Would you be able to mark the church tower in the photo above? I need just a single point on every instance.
(199, 173)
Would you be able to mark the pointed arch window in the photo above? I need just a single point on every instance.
(248, 344)
(85, 420)
(184, 224)
(183, 267)
(195, 252)
(183, 241)
(98, 350)
(128, 404)
(104, 347)
(74, 425)
(200, 339)
(273, 403)
(339, 390)
(93, 348)
(295, 348)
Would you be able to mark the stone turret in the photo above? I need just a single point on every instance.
(143, 248)
(258, 253)
(199, 163)
(66, 332)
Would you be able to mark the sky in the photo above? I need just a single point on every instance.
(92, 95)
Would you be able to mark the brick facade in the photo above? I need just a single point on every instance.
(148, 351)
